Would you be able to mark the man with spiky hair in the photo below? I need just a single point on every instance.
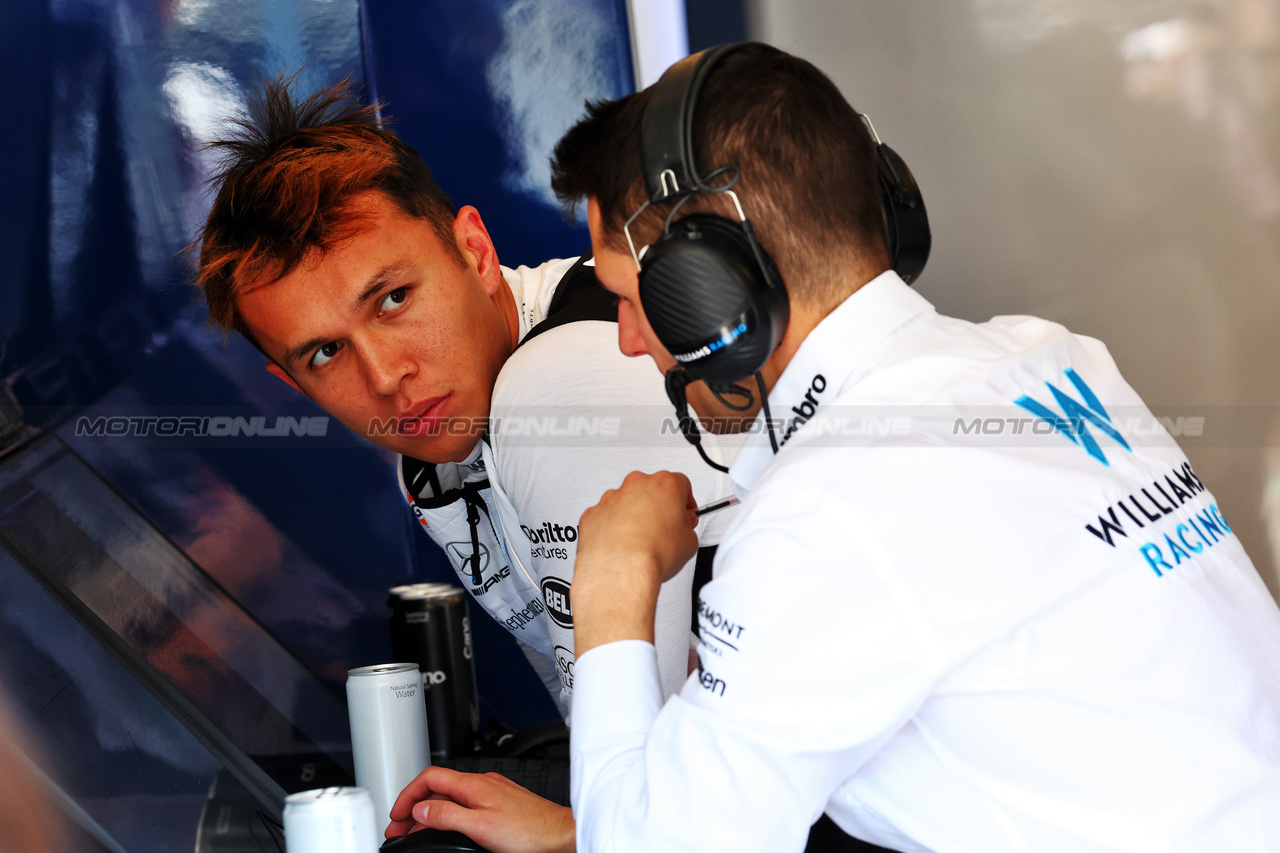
(301, 182)
(330, 247)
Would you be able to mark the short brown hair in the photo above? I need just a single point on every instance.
(807, 162)
(290, 171)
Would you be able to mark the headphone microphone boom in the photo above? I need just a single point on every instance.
(709, 290)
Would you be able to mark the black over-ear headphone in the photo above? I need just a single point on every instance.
(711, 293)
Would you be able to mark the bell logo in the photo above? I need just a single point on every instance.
(1073, 423)
(461, 554)
(555, 594)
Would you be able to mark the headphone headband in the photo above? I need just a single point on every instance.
(711, 293)
(666, 141)
(671, 170)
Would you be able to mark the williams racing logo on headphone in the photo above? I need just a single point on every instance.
(729, 336)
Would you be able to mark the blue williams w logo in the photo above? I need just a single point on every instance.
(1076, 417)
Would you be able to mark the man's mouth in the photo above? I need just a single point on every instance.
(426, 417)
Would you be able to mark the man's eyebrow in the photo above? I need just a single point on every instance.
(378, 281)
(294, 355)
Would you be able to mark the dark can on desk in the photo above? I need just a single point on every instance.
(429, 625)
(395, 616)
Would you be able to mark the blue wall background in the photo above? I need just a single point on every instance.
(109, 105)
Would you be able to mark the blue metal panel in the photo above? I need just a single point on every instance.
(105, 188)
(484, 89)
(105, 329)
(139, 780)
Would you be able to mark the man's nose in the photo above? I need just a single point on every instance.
(387, 365)
(630, 341)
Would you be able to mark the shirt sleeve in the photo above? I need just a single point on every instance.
(807, 667)
(619, 697)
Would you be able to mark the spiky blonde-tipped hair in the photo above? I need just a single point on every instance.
(290, 169)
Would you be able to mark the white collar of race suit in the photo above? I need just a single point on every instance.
(829, 359)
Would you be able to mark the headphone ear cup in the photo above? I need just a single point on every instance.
(906, 221)
(713, 298)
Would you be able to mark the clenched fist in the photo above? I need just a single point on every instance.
(638, 536)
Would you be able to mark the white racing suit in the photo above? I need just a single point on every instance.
(476, 526)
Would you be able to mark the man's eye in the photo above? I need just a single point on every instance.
(323, 354)
(394, 298)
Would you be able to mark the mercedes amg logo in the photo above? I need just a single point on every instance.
(462, 555)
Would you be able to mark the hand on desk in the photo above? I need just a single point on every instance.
(634, 539)
(637, 537)
(488, 808)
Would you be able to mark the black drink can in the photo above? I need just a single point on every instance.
(395, 617)
(432, 625)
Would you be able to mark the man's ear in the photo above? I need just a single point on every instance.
(281, 374)
(477, 246)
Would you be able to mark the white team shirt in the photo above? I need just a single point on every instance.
(570, 417)
(950, 622)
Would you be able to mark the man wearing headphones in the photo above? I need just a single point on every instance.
(1049, 640)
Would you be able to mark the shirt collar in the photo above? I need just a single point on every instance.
(828, 361)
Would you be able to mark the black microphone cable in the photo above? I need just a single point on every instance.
(677, 380)
(768, 416)
(723, 390)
